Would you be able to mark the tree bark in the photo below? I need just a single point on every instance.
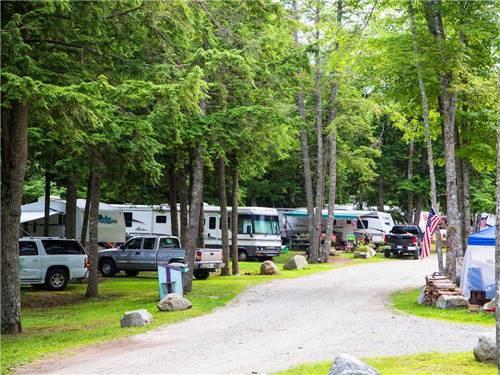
(425, 116)
(411, 149)
(380, 205)
(46, 216)
(200, 238)
(418, 209)
(183, 203)
(497, 238)
(466, 214)
(95, 196)
(221, 174)
(14, 158)
(86, 210)
(304, 146)
(70, 219)
(172, 200)
(194, 212)
(234, 218)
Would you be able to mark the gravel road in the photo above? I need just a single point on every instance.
(281, 324)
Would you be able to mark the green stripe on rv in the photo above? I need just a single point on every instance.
(336, 215)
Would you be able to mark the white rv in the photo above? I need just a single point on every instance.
(258, 227)
(111, 225)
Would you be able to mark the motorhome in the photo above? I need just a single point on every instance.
(111, 227)
(258, 227)
(375, 224)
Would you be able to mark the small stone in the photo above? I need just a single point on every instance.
(421, 298)
(486, 349)
(174, 302)
(136, 318)
(297, 262)
(268, 268)
(451, 302)
(490, 305)
(346, 364)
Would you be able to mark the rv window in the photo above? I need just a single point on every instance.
(243, 222)
(149, 243)
(211, 222)
(62, 247)
(27, 248)
(348, 221)
(362, 224)
(133, 244)
(169, 243)
(264, 224)
(128, 219)
(161, 219)
(334, 222)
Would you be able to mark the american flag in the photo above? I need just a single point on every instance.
(482, 222)
(433, 222)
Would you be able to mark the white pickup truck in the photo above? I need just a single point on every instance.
(51, 261)
(144, 253)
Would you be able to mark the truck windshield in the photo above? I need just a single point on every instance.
(264, 224)
(403, 229)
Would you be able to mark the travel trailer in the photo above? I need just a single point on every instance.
(258, 227)
(375, 224)
(111, 221)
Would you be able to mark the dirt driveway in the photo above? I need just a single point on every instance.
(281, 324)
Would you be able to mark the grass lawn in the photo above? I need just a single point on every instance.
(422, 364)
(406, 301)
(55, 321)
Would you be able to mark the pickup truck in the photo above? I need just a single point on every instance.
(51, 261)
(143, 253)
(403, 240)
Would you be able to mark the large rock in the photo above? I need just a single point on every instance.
(136, 318)
(297, 262)
(372, 251)
(451, 302)
(421, 298)
(268, 268)
(346, 364)
(174, 302)
(362, 255)
(485, 349)
(489, 306)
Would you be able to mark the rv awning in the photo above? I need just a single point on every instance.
(34, 215)
(337, 215)
(485, 237)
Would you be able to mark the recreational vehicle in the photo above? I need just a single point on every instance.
(144, 219)
(111, 225)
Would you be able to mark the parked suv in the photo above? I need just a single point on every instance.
(51, 261)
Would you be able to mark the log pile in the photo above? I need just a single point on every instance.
(437, 285)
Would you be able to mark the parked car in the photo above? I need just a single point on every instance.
(51, 261)
(403, 240)
(143, 253)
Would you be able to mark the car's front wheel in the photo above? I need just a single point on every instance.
(56, 279)
(107, 268)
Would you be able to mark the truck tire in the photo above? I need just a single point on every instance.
(131, 273)
(242, 256)
(201, 274)
(107, 267)
(56, 279)
(416, 254)
(387, 253)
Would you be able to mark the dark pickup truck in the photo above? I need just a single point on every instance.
(403, 240)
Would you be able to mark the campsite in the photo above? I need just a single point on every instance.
(250, 187)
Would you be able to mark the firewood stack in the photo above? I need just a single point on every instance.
(437, 285)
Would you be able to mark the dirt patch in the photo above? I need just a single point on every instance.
(44, 299)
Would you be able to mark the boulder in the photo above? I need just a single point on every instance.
(268, 268)
(346, 364)
(451, 302)
(372, 251)
(489, 306)
(174, 302)
(485, 349)
(136, 318)
(362, 255)
(421, 298)
(297, 262)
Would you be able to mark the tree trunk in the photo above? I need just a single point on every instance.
(70, 219)
(320, 181)
(234, 219)
(95, 196)
(332, 140)
(221, 174)
(14, 158)
(194, 212)
(183, 203)
(172, 201)
(46, 216)
(380, 205)
(466, 214)
(418, 209)
(411, 149)
(497, 238)
(200, 240)
(425, 116)
(86, 210)
(304, 145)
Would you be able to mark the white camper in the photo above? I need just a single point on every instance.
(111, 225)
(146, 219)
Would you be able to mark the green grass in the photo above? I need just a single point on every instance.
(57, 321)
(421, 364)
(406, 301)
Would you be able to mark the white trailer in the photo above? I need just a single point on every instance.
(111, 225)
(146, 219)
